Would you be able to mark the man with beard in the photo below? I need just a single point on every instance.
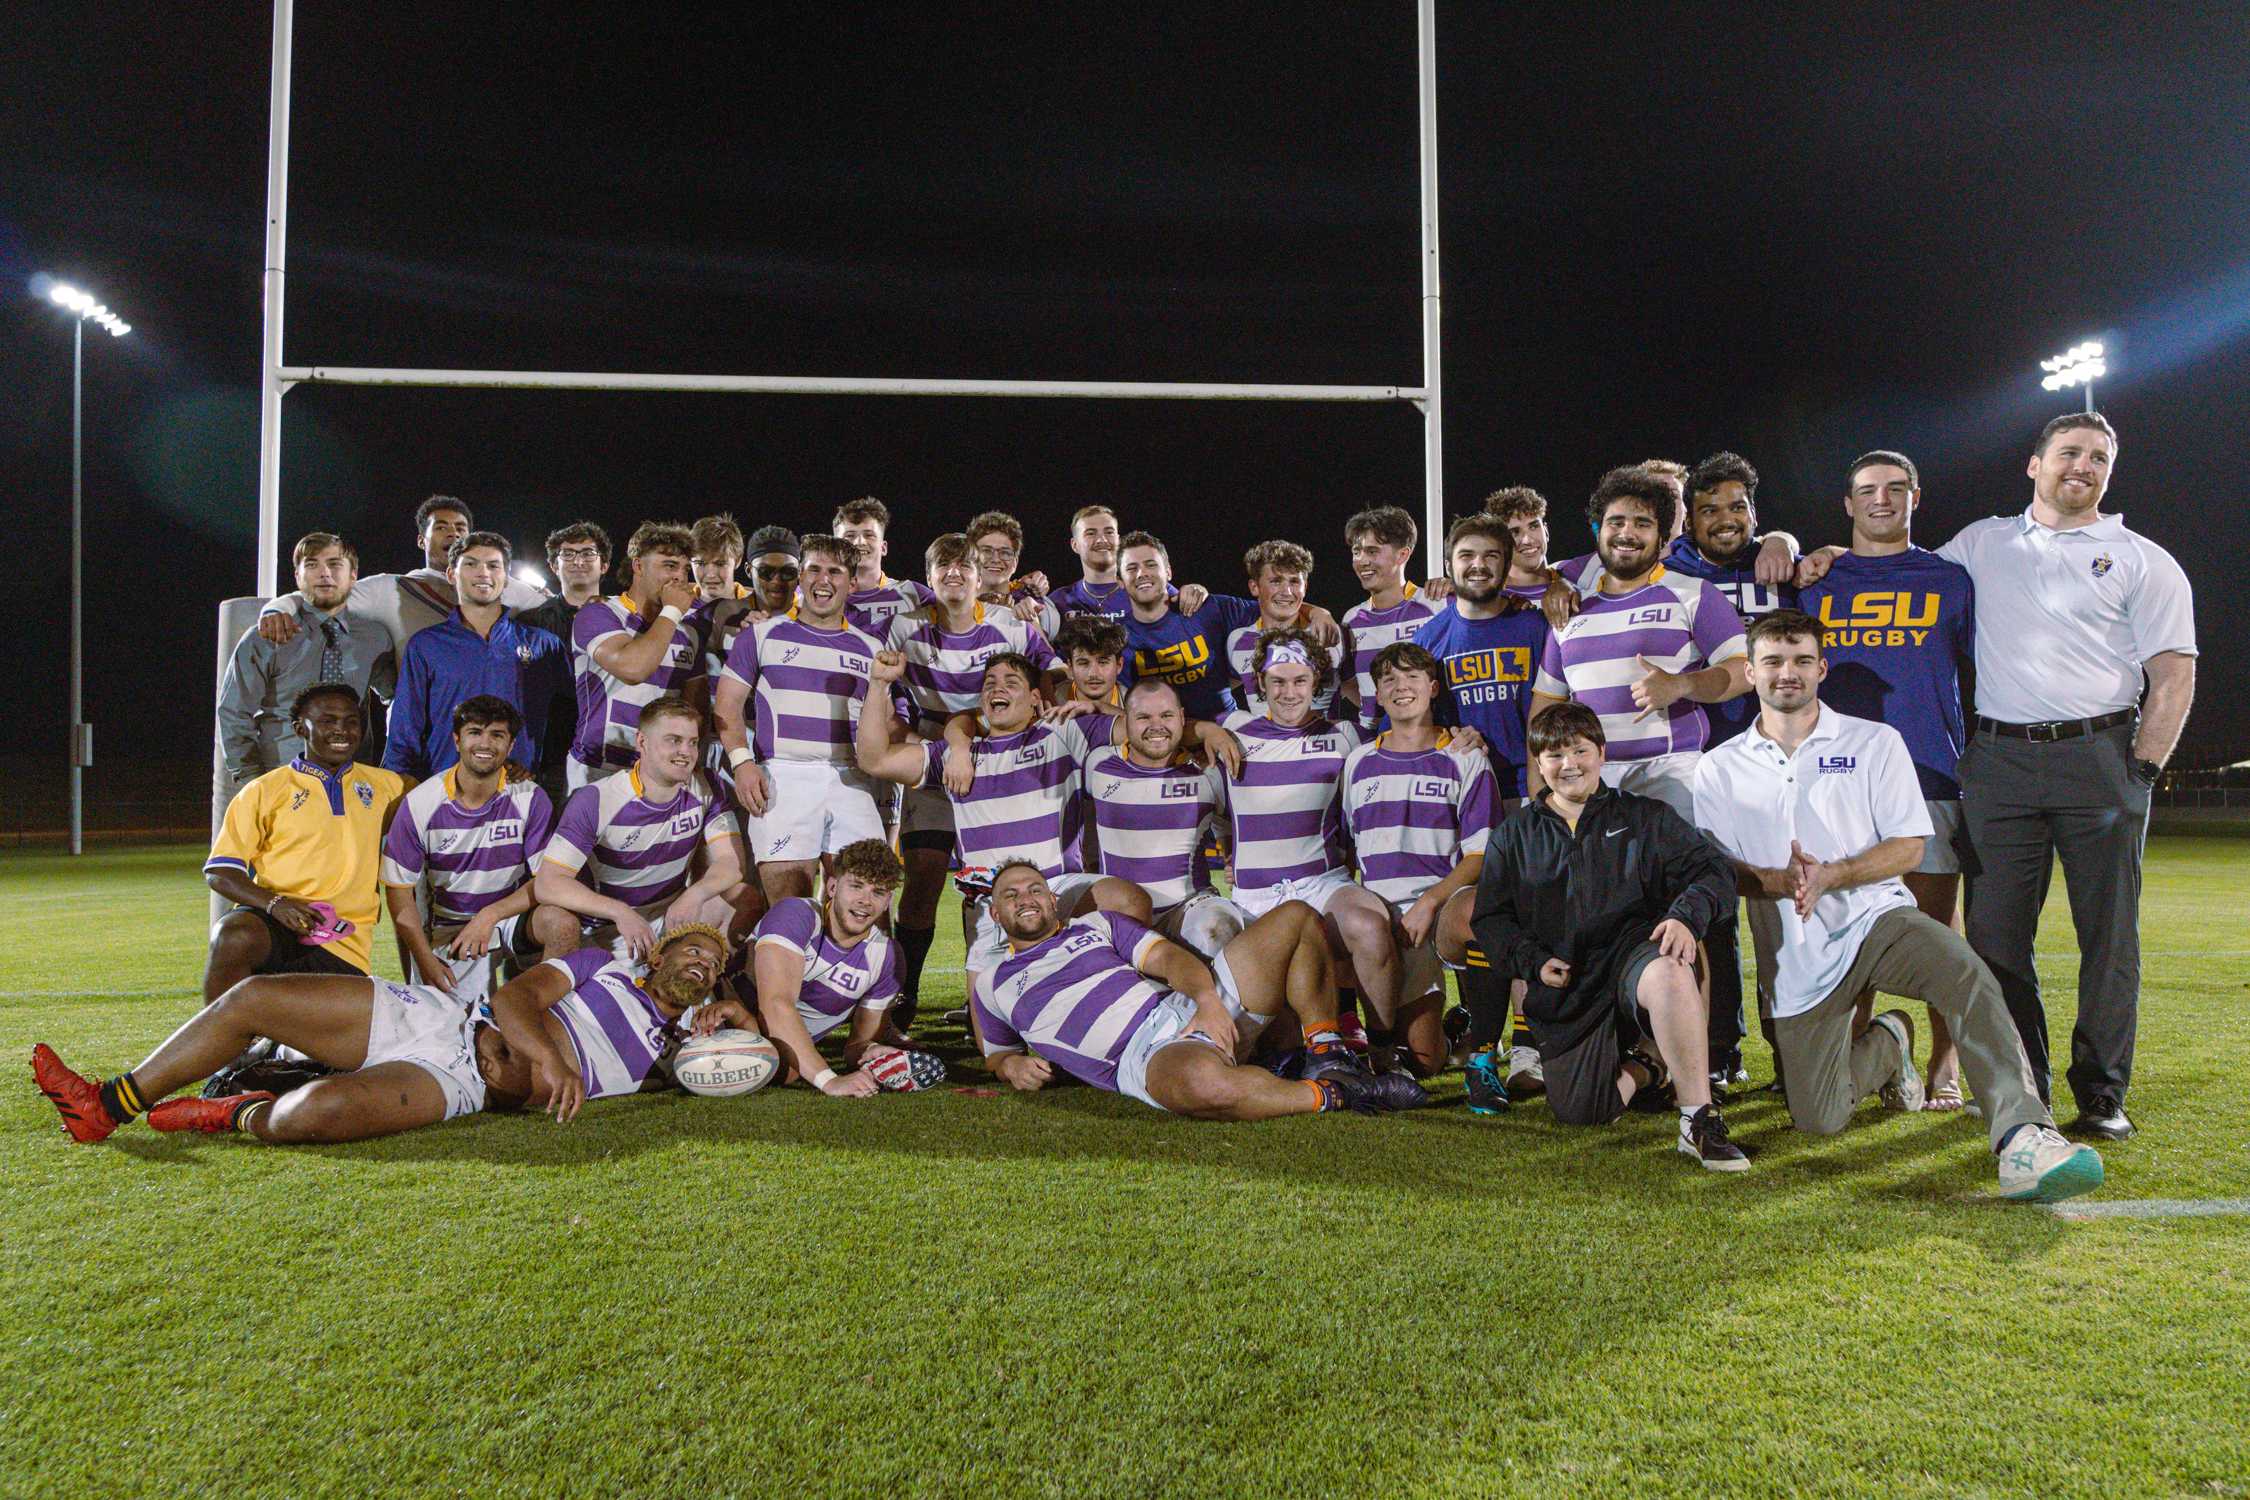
(1151, 802)
(472, 836)
(1007, 791)
(476, 651)
(876, 597)
(405, 604)
(579, 1028)
(578, 556)
(257, 731)
(300, 852)
(1122, 1009)
(1722, 546)
(1596, 899)
(792, 687)
(1647, 648)
(1898, 625)
(1821, 813)
(945, 646)
(2076, 615)
(819, 964)
(629, 651)
(1279, 573)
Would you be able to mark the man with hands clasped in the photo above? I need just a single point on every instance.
(1821, 814)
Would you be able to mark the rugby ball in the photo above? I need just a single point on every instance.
(726, 1063)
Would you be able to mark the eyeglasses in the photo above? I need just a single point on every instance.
(579, 554)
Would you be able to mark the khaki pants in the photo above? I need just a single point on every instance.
(1827, 1070)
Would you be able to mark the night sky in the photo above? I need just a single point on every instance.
(1795, 236)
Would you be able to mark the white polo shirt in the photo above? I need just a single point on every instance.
(2065, 618)
(1850, 786)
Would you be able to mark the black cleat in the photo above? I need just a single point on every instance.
(258, 1071)
(1331, 1060)
(1704, 1136)
(1380, 1093)
(2104, 1117)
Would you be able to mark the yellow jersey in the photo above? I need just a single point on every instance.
(299, 831)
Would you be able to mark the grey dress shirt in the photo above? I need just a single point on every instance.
(263, 679)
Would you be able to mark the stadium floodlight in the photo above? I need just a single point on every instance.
(2080, 364)
(529, 573)
(85, 310)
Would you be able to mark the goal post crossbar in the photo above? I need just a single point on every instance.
(838, 385)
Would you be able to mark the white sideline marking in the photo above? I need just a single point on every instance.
(177, 989)
(2153, 1208)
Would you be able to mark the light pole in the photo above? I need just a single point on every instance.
(2080, 364)
(72, 300)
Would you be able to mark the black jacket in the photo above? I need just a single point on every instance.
(1589, 898)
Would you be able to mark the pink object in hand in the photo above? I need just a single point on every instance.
(331, 926)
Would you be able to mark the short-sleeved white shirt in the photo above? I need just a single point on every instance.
(1850, 786)
(2066, 618)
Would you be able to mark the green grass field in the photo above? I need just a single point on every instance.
(1067, 1294)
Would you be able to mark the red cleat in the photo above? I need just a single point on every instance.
(79, 1102)
(211, 1116)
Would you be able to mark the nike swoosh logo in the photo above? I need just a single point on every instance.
(1613, 833)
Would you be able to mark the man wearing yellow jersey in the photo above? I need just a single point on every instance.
(301, 852)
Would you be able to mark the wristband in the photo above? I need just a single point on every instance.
(738, 758)
(674, 613)
(823, 1078)
(276, 896)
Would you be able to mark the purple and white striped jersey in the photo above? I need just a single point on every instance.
(473, 856)
(1242, 651)
(631, 849)
(1679, 623)
(945, 669)
(1368, 630)
(1075, 999)
(1413, 814)
(1148, 821)
(609, 708)
(872, 610)
(1024, 780)
(613, 1026)
(838, 980)
(1286, 807)
(806, 687)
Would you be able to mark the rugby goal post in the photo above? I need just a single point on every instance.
(278, 378)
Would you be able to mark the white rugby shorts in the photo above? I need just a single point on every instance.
(430, 1029)
(814, 807)
(1167, 1025)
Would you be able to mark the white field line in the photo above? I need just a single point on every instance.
(2152, 1208)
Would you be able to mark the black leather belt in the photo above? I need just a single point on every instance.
(2059, 729)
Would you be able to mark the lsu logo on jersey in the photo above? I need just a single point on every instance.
(1660, 614)
(1320, 744)
(686, 825)
(506, 831)
(1837, 765)
(1182, 661)
(1432, 789)
(1497, 664)
(1880, 617)
(1173, 790)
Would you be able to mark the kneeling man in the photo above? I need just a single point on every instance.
(1119, 1007)
(817, 965)
(582, 1027)
(1822, 813)
(1596, 898)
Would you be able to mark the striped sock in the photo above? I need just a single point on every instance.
(1326, 1090)
(246, 1115)
(121, 1098)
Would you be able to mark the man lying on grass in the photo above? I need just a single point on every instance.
(816, 965)
(587, 1026)
(1124, 1009)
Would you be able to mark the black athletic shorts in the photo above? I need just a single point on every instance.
(292, 957)
(1582, 1076)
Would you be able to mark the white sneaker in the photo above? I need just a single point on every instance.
(1902, 1090)
(1525, 1073)
(2039, 1166)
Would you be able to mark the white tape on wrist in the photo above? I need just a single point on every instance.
(674, 613)
(738, 758)
(823, 1078)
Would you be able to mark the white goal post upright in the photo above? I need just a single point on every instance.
(278, 378)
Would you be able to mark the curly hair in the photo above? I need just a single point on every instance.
(1636, 482)
(870, 860)
(1720, 468)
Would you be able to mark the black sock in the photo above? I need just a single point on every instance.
(1380, 1036)
(913, 951)
(121, 1098)
(1485, 995)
